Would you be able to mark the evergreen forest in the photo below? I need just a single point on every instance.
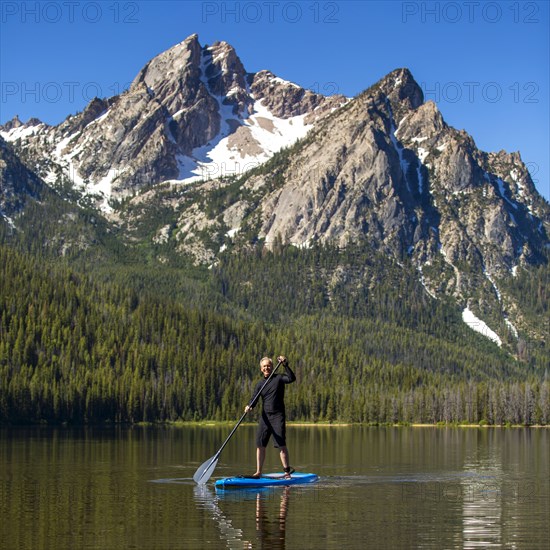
(107, 333)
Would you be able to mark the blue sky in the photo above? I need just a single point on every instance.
(485, 63)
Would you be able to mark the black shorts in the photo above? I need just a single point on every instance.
(271, 424)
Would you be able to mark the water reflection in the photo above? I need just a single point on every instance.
(233, 536)
(482, 514)
(272, 531)
(270, 527)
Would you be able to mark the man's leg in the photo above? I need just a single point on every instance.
(286, 463)
(284, 457)
(263, 434)
(279, 433)
(260, 458)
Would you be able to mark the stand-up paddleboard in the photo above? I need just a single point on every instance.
(267, 480)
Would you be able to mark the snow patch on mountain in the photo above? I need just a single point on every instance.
(101, 189)
(8, 220)
(279, 80)
(493, 284)
(511, 326)
(480, 326)
(242, 144)
(422, 154)
(21, 132)
(398, 147)
(423, 281)
(502, 191)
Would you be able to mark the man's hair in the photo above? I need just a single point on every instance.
(266, 360)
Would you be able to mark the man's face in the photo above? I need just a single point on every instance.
(266, 367)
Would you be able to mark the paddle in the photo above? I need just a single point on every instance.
(205, 470)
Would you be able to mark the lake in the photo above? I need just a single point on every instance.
(131, 487)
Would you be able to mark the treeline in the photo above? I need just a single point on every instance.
(362, 283)
(77, 348)
(479, 403)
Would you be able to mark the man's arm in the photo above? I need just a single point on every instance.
(289, 376)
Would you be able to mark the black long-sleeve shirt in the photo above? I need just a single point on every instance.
(273, 395)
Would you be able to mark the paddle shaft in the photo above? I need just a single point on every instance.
(217, 455)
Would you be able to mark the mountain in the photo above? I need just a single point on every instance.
(384, 170)
(200, 161)
(387, 169)
(192, 112)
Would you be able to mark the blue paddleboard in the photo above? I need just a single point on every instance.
(267, 480)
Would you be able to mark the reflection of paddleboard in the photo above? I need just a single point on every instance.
(267, 480)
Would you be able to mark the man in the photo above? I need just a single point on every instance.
(273, 420)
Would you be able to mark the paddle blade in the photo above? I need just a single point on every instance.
(205, 470)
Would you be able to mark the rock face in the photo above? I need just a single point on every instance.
(180, 106)
(17, 182)
(388, 167)
(286, 100)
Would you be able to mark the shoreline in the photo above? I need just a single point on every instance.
(302, 424)
(297, 424)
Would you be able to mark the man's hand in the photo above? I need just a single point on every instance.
(247, 408)
(282, 360)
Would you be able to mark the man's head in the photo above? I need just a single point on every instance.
(266, 366)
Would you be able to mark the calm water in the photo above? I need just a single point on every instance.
(379, 488)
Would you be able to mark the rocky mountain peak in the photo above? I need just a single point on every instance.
(33, 121)
(402, 91)
(15, 122)
(191, 112)
(76, 123)
(286, 99)
(225, 76)
(170, 65)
